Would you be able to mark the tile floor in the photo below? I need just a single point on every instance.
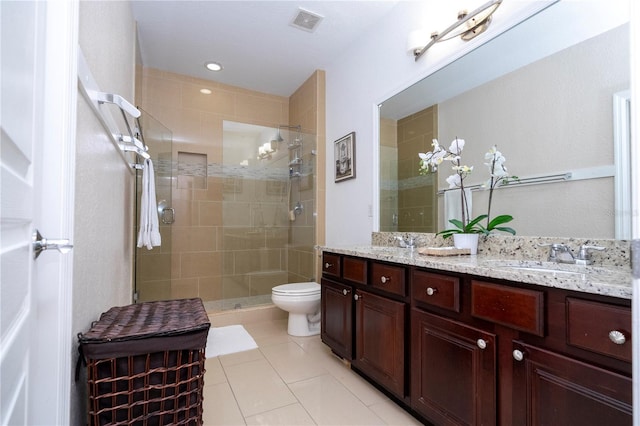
(289, 381)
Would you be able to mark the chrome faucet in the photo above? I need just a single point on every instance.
(560, 253)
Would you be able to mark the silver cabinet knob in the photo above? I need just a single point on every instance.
(617, 337)
(345, 291)
(431, 291)
(384, 279)
(41, 244)
(357, 297)
(518, 355)
(328, 265)
(482, 344)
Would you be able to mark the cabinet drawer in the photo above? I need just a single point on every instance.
(331, 264)
(436, 290)
(354, 269)
(388, 278)
(513, 307)
(592, 326)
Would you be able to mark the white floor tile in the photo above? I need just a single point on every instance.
(392, 414)
(240, 357)
(291, 362)
(257, 387)
(291, 415)
(330, 403)
(214, 374)
(219, 406)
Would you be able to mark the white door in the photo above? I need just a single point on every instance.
(37, 114)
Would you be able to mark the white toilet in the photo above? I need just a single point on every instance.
(302, 301)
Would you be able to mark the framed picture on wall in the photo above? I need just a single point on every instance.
(344, 153)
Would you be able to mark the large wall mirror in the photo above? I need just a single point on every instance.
(553, 100)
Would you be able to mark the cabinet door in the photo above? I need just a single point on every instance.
(380, 340)
(453, 377)
(551, 389)
(336, 318)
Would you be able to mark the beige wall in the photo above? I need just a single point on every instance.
(103, 242)
(576, 132)
(209, 259)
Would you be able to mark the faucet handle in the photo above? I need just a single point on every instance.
(584, 254)
(558, 248)
(408, 242)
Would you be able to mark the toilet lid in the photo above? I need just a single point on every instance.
(297, 288)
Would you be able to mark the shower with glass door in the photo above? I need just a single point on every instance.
(244, 217)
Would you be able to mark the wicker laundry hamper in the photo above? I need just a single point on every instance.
(145, 364)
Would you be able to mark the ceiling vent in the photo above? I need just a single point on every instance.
(306, 21)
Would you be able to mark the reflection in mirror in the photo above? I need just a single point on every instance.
(549, 110)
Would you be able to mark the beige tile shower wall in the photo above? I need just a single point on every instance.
(307, 108)
(388, 175)
(417, 207)
(198, 237)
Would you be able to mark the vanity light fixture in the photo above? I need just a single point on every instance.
(468, 26)
(213, 66)
(205, 91)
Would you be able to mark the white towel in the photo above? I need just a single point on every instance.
(149, 234)
(453, 205)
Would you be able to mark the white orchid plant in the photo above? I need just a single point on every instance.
(498, 176)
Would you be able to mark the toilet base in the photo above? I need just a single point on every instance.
(299, 326)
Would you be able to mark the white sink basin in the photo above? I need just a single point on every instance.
(543, 269)
(546, 267)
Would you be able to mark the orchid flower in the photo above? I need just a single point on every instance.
(498, 174)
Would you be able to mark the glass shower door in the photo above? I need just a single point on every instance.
(153, 267)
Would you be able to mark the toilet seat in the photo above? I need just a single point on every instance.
(297, 289)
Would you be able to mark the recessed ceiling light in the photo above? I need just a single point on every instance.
(213, 66)
(205, 91)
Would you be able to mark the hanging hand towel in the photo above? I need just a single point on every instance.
(149, 234)
(453, 205)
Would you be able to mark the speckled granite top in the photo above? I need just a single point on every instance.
(518, 259)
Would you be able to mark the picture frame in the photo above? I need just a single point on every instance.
(344, 154)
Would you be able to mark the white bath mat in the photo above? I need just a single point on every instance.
(228, 340)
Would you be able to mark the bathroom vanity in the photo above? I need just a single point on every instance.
(481, 340)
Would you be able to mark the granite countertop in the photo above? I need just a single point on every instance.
(604, 280)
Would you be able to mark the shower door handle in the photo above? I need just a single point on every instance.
(168, 216)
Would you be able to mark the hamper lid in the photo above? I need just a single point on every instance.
(148, 319)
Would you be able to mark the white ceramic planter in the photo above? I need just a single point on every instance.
(469, 241)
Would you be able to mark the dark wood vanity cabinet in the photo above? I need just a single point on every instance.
(591, 384)
(380, 340)
(462, 350)
(363, 305)
(453, 371)
(337, 317)
(486, 353)
(553, 389)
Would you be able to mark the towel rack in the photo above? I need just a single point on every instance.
(132, 141)
(580, 174)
